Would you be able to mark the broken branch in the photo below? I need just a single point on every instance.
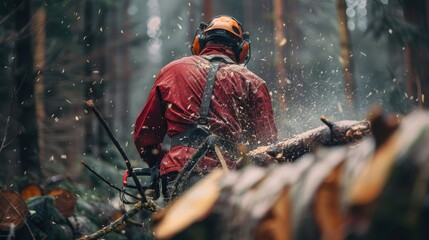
(91, 105)
(334, 133)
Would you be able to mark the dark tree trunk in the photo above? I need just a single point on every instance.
(101, 50)
(88, 85)
(126, 68)
(417, 51)
(24, 79)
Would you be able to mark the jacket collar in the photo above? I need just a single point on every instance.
(218, 49)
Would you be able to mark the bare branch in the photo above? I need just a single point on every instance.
(109, 183)
(121, 221)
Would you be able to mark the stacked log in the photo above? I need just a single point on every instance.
(376, 189)
(40, 212)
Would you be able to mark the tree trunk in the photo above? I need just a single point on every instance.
(25, 84)
(417, 53)
(248, 15)
(292, 62)
(126, 69)
(88, 85)
(99, 77)
(279, 53)
(346, 54)
(207, 10)
(38, 36)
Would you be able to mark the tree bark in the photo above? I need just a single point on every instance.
(346, 54)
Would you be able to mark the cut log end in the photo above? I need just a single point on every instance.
(65, 201)
(31, 190)
(13, 211)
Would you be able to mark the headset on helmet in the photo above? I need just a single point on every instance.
(228, 28)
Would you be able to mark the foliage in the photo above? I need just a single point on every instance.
(389, 19)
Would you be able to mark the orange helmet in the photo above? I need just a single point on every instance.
(226, 23)
(228, 28)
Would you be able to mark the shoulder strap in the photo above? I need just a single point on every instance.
(208, 92)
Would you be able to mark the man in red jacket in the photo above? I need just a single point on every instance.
(238, 105)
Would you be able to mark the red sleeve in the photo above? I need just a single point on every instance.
(262, 123)
(150, 129)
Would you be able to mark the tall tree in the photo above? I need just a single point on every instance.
(292, 46)
(38, 30)
(346, 53)
(24, 79)
(279, 56)
(126, 71)
(207, 10)
(417, 50)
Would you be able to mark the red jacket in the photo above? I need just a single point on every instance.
(240, 109)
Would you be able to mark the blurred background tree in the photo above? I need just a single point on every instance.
(314, 56)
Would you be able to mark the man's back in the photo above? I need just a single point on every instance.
(240, 107)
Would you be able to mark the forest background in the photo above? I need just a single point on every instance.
(335, 58)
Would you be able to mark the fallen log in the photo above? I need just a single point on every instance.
(333, 134)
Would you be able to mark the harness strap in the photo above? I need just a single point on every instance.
(208, 92)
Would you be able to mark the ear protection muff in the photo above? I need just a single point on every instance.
(243, 52)
(199, 39)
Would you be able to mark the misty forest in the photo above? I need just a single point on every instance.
(349, 85)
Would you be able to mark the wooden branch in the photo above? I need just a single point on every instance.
(118, 223)
(334, 133)
(91, 105)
